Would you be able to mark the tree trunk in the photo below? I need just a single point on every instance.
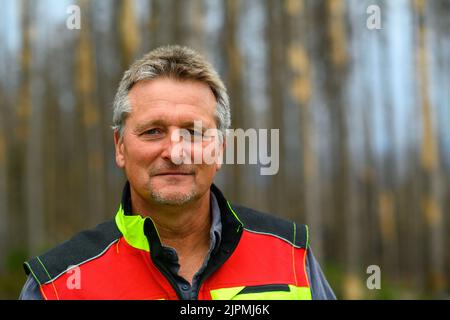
(19, 191)
(432, 197)
(233, 80)
(276, 61)
(4, 216)
(129, 32)
(301, 95)
(87, 102)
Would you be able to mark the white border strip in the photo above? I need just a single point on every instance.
(77, 265)
(276, 236)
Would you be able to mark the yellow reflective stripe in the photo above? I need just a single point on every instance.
(132, 229)
(294, 293)
(236, 216)
(225, 293)
(304, 293)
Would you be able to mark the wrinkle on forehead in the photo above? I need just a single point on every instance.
(174, 91)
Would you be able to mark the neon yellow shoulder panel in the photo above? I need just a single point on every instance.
(132, 228)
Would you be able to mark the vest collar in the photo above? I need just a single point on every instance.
(132, 229)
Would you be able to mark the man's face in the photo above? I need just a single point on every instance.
(151, 150)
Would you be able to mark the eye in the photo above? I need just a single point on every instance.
(152, 133)
(195, 133)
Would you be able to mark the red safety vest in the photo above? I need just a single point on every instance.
(260, 257)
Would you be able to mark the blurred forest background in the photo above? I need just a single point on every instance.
(363, 116)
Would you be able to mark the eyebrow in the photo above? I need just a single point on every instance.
(143, 125)
(159, 122)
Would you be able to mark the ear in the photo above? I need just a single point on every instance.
(118, 144)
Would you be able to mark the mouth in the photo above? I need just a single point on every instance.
(174, 173)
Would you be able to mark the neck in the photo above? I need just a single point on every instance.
(184, 227)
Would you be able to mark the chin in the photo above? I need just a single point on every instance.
(173, 195)
(174, 199)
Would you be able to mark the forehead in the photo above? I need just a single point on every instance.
(171, 100)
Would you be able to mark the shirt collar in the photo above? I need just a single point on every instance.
(216, 225)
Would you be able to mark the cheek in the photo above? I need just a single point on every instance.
(140, 154)
(196, 151)
(206, 153)
(207, 172)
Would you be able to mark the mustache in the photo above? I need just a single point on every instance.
(171, 169)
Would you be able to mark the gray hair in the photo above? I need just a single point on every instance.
(174, 62)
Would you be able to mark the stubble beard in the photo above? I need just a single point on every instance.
(172, 199)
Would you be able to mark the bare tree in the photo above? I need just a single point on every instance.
(275, 60)
(34, 165)
(345, 199)
(21, 134)
(129, 32)
(233, 78)
(432, 197)
(298, 57)
(87, 101)
(194, 23)
(4, 216)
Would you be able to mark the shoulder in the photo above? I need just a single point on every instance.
(30, 290)
(264, 223)
(320, 288)
(82, 247)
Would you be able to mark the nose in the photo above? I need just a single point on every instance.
(173, 150)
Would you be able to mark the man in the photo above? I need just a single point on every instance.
(175, 236)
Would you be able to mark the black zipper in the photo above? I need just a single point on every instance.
(168, 275)
(155, 250)
(221, 258)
